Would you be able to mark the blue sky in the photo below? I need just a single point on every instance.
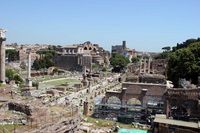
(146, 25)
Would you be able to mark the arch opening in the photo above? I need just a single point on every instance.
(134, 102)
(114, 100)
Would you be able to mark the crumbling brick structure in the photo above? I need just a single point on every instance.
(183, 103)
(144, 92)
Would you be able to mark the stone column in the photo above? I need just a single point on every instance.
(167, 108)
(123, 97)
(141, 65)
(28, 80)
(29, 66)
(149, 65)
(2, 56)
(84, 81)
(142, 97)
(84, 70)
(145, 65)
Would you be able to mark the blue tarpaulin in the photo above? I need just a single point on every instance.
(123, 130)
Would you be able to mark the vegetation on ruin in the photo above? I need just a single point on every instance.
(11, 74)
(135, 59)
(35, 84)
(95, 67)
(104, 69)
(23, 65)
(119, 62)
(183, 61)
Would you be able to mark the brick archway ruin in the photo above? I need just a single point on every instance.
(123, 96)
(134, 101)
(113, 100)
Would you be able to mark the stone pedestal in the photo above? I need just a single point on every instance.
(28, 82)
(86, 108)
(85, 83)
(26, 90)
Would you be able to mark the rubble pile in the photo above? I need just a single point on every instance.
(67, 125)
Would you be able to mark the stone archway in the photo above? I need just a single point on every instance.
(134, 101)
(184, 108)
(114, 100)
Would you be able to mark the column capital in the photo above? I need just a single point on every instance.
(2, 39)
(2, 34)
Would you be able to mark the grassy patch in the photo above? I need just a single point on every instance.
(9, 128)
(105, 123)
(63, 81)
(2, 85)
(57, 109)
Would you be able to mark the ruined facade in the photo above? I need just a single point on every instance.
(73, 62)
(154, 66)
(148, 64)
(76, 56)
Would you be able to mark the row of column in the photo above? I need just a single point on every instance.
(145, 67)
(2, 60)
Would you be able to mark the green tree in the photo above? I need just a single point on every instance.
(36, 64)
(185, 63)
(18, 79)
(167, 48)
(45, 61)
(11, 74)
(119, 61)
(12, 55)
(135, 59)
